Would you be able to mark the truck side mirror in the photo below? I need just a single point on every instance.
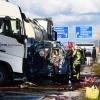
(54, 35)
(24, 17)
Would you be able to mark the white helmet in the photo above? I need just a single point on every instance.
(76, 47)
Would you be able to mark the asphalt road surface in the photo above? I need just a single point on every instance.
(47, 93)
(43, 95)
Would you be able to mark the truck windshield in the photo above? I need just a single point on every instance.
(10, 26)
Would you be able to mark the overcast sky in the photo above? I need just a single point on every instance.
(64, 12)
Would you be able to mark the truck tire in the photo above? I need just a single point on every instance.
(3, 75)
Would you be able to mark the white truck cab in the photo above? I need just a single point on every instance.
(12, 40)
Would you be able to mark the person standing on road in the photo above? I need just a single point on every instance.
(88, 57)
(94, 54)
(75, 70)
(55, 61)
(69, 60)
(83, 56)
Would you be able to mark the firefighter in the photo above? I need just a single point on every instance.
(94, 54)
(55, 61)
(75, 69)
(69, 61)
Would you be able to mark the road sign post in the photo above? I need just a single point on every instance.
(62, 32)
(84, 32)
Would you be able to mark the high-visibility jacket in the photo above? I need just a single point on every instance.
(77, 57)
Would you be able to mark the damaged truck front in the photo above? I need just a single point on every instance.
(13, 50)
(13, 41)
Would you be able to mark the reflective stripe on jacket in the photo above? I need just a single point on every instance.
(77, 57)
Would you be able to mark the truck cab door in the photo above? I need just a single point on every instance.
(12, 46)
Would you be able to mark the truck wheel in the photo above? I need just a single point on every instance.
(3, 76)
